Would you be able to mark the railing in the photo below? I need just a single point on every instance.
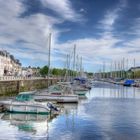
(16, 78)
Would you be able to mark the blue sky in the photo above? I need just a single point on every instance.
(104, 31)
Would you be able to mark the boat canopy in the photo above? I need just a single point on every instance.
(80, 80)
(55, 88)
(24, 97)
(129, 81)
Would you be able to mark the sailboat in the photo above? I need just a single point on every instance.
(58, 92)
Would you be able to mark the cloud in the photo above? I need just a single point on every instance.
(135, 28)
(82, 10)
(26, 37)
(111, 16)
(92, 49)
(63, 8)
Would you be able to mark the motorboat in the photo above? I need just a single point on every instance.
(24, 103)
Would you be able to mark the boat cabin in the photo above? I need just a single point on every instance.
(24, 96)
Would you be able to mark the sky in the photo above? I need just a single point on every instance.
(104, 31)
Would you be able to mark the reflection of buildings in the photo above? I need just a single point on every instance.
(9, 66)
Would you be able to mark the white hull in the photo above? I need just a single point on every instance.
(57, 98)
(25, 107)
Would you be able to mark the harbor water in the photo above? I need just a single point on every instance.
(110, 112)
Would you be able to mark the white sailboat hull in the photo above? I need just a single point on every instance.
(58, 98)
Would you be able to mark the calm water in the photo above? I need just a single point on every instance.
(110, 112)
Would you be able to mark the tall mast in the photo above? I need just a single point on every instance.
(134, 68)
(111, 75)
(81, 66)
(49, 54)
(77, 65)
(74, 57)
(115, 69)
(104, 69)
(123, 67)
(49, 41)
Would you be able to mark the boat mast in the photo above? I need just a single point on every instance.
(49, 54)
(134, 69)
(81, 63)
(74, 59)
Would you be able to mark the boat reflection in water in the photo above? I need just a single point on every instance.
(34, 124)
(69, 108)
(107, 90)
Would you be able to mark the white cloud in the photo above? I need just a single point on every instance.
(111, 16)
(33, 30)
(82, 10)
(63, 8)
(109, 20)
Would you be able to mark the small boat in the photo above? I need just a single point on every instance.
(80, 91)
(24, 103)
(128, 82)
(59, 93)
(83, 82)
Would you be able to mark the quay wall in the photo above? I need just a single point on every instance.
(13, 87)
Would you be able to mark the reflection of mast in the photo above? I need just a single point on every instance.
(47, 130)
(73, 124)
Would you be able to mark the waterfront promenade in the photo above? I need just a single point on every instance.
(17, 78)
(12, 85)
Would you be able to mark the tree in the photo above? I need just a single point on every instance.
(44, 71)
(55, 71)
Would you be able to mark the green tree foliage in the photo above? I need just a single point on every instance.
(55, 71)
(58, 72)
(44, 71)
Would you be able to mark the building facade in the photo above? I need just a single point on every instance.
(134, 69)
(9, 66)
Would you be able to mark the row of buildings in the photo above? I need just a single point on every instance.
(10, 66)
